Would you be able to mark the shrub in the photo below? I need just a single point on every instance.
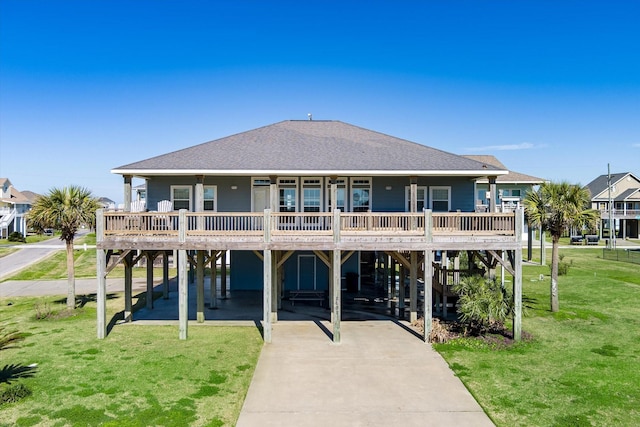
(13, 393)
(484, 305)
(17, 236)
(563, 267)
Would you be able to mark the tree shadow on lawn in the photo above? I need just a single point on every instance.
(84, 299)
(14, 372)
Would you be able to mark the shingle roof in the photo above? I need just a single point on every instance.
(309, 145)
(626, 194)
(510, 178)
(601, 183)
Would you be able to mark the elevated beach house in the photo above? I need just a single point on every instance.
(617, 198)
(13, 207)
(311, 209)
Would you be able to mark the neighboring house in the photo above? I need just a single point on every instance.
(13, 207)
(511, 188)
(140, 192)
(625, 196)
(106, 203)
(309, 208)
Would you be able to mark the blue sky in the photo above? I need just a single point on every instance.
(550, 88)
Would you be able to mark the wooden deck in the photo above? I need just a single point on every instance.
(307, 231)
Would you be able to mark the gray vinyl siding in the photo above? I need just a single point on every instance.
(382, 200)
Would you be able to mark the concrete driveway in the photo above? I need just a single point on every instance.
(380, 375)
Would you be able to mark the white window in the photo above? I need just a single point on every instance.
(311, 194)
(341, 195)
(422, 197)
(181, 197)
(210, 199)
(360, 194)
(440, 199)
(288, 191)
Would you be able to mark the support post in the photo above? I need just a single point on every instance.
(149, 296)
(128, 287)
(268, 279)
(183, 283)
(413, 189)
(266, 327)
(428, 289)
(223, 275)
(337, 291)
(127, 193)
(445, 283)
(165, 275)
(213, 286)
(494, 194)
(413, 288)
(183, 295)
(274, 286)
(517, 281)
(401, 292)
(101, 295)
(200, 285)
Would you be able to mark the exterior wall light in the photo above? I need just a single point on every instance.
(234, 187)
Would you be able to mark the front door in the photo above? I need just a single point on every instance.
(261, 198)
(306, 272)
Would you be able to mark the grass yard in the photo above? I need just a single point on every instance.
(582, 366)
(54, 267)
(137, 376)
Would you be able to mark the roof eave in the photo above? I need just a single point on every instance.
(303, 172)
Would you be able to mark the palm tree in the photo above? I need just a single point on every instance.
(66, 210)
(556, 207)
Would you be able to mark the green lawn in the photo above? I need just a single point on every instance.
(54, 267)
(581, 367)
(137, 376)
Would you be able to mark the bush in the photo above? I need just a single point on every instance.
(17, 236)
(563, 267)
(13, 393)
(484, 305)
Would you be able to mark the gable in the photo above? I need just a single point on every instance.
(309, 147)
(599, 187)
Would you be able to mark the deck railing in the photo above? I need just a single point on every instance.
(304, 223)
(621, 213)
